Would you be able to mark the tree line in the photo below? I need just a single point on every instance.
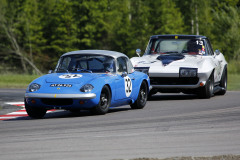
(34, 33)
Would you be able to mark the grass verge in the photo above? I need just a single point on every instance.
(234, 82)
(223, 157)
(23, 80)
(16, 80)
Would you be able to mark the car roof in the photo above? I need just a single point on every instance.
(180, 36)
(97, 52)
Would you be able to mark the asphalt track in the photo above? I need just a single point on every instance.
(170, 125)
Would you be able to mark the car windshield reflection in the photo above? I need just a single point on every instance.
(86, 63)
(176, 46)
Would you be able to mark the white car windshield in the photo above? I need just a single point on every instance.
(176, 46)
(86, 63)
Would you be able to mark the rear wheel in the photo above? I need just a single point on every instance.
(104, 102)
(142, 97)
(207, 91)
(35, 112)
(223, 83)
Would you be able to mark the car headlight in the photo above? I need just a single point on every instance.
(142, 69)
(86, 88)
(34, 87)
(188, 72)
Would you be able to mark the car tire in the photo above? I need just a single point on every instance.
(142, 97)
(206, 92)
(104, 102)
(35, 112)
(223, 83)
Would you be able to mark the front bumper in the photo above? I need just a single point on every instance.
(176, 82)
(179, 86)
(61, 101)
(73, 96)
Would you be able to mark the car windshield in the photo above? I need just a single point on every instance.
(86, 63)
(176, 46)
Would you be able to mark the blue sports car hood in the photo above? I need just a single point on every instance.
(71, 78)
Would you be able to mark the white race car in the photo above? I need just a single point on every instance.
(183, 63)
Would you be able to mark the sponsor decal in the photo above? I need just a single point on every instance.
(128, 86)
(70, 76)
(201, 52)
(146, 62)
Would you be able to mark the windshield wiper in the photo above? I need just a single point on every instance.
(62, 69)
(81, 70)
(171, 52)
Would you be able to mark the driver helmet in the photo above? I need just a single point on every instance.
(108, 65)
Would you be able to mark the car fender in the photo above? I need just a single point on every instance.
(139, 78)
(206, 68)
(102, 81)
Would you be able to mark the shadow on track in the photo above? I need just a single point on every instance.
(85, 113)
(68, 114)
(177, 96)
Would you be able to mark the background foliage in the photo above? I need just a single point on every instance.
(34, 33)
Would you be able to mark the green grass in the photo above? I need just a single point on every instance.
(22, 81)
(16, 80)
(234, 67)
(223, 157)
(234, 82)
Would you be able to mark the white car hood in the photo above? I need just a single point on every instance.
(149, 61)
(158, 66)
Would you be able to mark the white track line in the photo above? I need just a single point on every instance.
(15, 103)
(19, 113)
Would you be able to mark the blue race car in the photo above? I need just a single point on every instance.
(88, 80)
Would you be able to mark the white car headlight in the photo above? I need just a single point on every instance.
(34, 87)
(188, 72)
(86, 88)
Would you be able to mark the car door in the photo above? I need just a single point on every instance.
(216, 61)
(125, 85)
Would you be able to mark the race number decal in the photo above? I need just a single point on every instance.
(199, 42)
(70, 76)
(128, 86)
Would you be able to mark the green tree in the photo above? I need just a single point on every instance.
(140, 28)
(226, 31)
(197, 16)
(10, 21)
(89, 18)
(119, 25)
(165, 17)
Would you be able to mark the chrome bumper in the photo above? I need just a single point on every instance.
(179, 86)
(73, 96)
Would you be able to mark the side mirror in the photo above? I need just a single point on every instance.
(124, 74)
(50, 71)
(217, 52)
(138, 52)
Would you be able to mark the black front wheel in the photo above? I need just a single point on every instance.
(206, 92)
(142, 97)
(104, 102)
(35, 112)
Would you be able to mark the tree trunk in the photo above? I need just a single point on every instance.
(196, 14)
(18, 51)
